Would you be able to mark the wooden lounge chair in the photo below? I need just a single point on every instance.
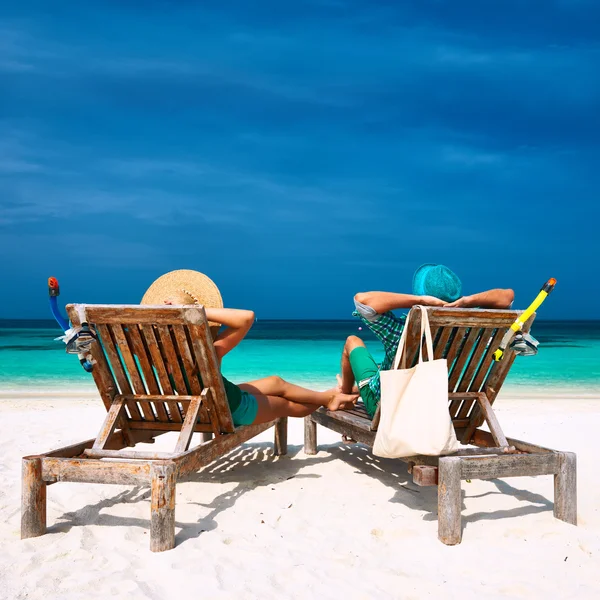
(467, 338)
(156, 371)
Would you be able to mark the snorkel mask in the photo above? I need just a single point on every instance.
(524, 344)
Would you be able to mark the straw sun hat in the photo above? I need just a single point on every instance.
(185, 286)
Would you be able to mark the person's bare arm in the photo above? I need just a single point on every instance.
(237, 324)
(381, 302)
(497, 298)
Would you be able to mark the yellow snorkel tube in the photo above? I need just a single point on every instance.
(525, 346)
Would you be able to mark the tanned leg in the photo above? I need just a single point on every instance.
(348, 380)
(274, 407)
(276, 386)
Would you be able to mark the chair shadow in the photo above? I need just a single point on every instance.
(538, 503)
(394, 473)
(251, 457)
(254, 465)
(251, 465)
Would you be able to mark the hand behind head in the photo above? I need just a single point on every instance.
(432, 301)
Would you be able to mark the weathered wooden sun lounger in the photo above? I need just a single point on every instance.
(156, 371)
(467, 338)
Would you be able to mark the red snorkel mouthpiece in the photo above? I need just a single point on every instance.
(53, 289)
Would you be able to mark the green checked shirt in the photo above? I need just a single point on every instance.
(388, 328)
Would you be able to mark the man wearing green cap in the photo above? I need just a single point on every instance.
(433, 285)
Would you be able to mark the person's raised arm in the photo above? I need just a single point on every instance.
(381, 302)
(497, 298)
(237, 324)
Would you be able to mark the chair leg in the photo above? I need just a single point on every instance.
(162, 518)
(449, 501)
(281, 437)
(310, 436)
(206, 436)
(565, 488)
(33, 498)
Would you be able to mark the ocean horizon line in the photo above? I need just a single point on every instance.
(23, 322)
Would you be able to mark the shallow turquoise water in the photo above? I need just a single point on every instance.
(305, 352)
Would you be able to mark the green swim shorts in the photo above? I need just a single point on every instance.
(245, 413)
(365, 368)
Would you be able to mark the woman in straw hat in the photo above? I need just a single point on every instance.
(257, 401)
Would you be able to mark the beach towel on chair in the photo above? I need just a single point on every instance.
(414, 404)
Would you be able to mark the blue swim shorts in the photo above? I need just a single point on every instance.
(245, 413)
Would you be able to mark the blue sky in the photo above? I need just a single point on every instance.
(299, 152)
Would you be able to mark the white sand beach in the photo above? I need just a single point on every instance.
(341, 524)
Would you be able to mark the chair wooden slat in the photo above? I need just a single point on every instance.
(170, 426)
(436, 333)
(359, 410)
(191, 417)
(497, 375)
(114, 360)
(160, 426)
(168, 349)
(474, 384)
(117, 368)
(441, 343)
(110, 422)
(191, 372)
(455, 345)
(490, 417)
(135, 378)
(484, 367)
(465, 353)
(134, 338)
(103, 376)
(206, 358)
(460, 379)
(161, 371)
(485, 342)
(208, 409)
(131, 369)
(457, 317)
(131, 314)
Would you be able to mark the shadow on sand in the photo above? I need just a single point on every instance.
(252, 466)
(394, 473)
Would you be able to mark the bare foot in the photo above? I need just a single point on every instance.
(338, 387)
(342, 401)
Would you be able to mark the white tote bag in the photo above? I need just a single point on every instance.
(414, 404)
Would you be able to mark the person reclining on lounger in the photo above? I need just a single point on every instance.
(433, 285)
(257, 401)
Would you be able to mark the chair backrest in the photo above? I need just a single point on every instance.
(467, 339)
(159, 358)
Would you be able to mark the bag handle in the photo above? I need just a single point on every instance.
(425, 328)
(401, 344)
(428, 340)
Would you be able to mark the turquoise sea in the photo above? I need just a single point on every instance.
(305, 352)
